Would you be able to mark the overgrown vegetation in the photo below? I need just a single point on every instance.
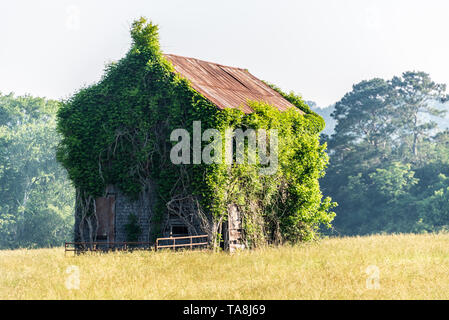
(117, 132)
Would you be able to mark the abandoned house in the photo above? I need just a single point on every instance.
(225, 87)
(219, 88)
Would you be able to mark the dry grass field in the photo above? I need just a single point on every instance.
(375, 267)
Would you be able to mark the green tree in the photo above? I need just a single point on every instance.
(417, 91)
(386, 157)
(36, 199)
(433, 210)
(364, 117)
(394, 181)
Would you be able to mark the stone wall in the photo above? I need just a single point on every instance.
(143, 208)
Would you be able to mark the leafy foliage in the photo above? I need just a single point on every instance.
(36, 199)
(388, 161)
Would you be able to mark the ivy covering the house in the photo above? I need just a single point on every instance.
(117, 132)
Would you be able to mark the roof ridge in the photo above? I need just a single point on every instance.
(217, 64)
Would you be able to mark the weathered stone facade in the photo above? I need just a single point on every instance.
(110, 222)
(114, 209)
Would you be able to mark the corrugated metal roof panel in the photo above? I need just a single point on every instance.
(226, 87)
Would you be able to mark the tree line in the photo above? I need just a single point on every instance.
(389, 158)
(36, 198)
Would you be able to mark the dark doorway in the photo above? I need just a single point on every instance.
(179, 231)
(105, 210)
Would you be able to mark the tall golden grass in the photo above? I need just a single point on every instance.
(409, 267)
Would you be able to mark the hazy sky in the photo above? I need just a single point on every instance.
(315, 48)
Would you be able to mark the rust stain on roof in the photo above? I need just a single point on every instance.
(226, 87)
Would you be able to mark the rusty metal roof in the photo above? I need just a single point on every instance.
(226, 87)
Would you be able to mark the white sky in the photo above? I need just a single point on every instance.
(316, 48)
